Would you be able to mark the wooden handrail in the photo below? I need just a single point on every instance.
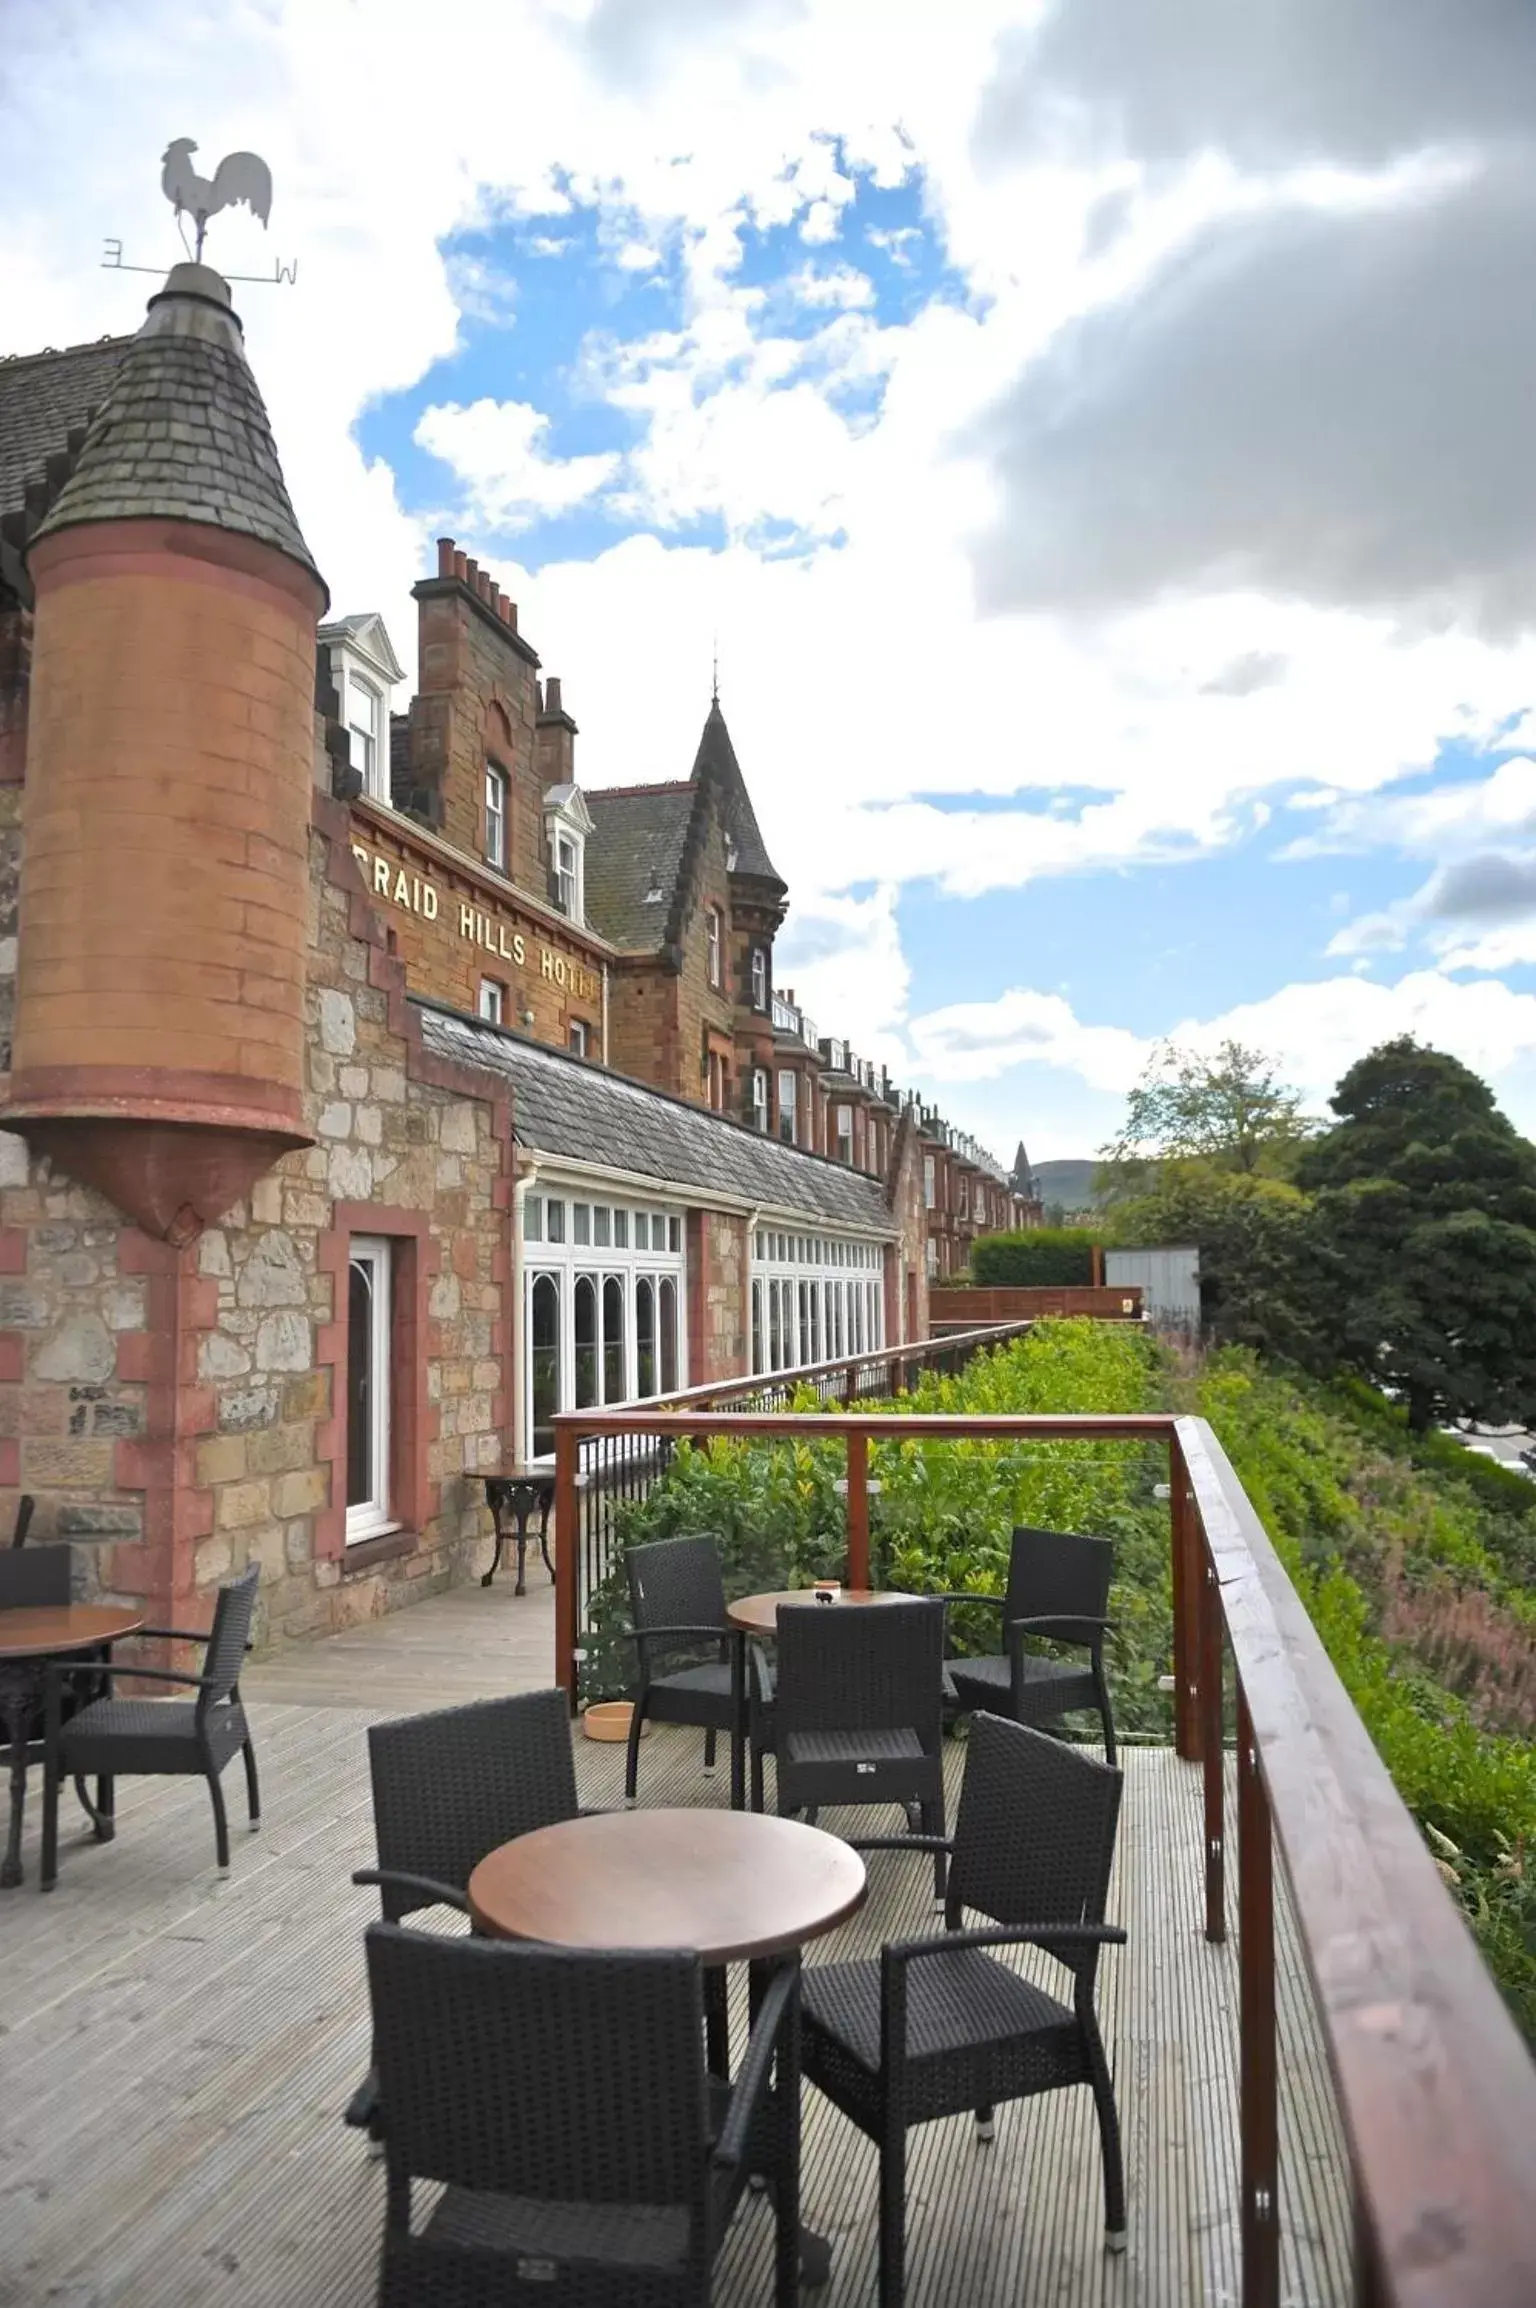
(914, 1353)
(1435, 2086)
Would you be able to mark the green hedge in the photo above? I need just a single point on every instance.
(1358, 1518)
(1038, 1257)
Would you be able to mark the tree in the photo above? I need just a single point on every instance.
(1230, 1110)
(1264, 1279)
(1424, 1200)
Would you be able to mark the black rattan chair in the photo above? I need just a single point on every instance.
(158, 1737)
(859, 1711)
(447, 1788)
(1058, 1588)
(684, 1642)
(561, 2100)
(938, 2026)
(32, 1580)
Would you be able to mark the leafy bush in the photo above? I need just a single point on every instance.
(1039, 1257)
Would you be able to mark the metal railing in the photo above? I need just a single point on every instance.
(1435, 2086)
(617, 1472)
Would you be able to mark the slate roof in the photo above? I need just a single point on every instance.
(716, 758)
(183, 434)
(563, 1105)
(639, 836)
(43, 397)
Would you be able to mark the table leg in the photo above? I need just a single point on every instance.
(544, 1539)
(522, 1511)
(815, 2249)
(17, 1697)
(487, 1576)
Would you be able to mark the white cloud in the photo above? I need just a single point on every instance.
(496, 450)
(859, 675)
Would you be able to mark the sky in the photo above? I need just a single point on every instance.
(1095, 442)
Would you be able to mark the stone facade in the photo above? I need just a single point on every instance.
(252, 1317)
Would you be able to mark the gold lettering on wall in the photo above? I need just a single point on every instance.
(386, 878)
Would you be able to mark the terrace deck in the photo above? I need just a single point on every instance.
(177, 2050)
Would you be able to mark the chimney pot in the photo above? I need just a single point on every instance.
(445, 556)
(461, 568)
(512, 615)
(552, 702)
(504, 610)
(483, 584)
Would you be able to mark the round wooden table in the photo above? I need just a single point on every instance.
(759, 1614)
(28, 1639)
(736, 1886)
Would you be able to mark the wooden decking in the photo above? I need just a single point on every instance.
(177, 2050)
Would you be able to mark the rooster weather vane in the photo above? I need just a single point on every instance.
(240, 176)
(241, 179)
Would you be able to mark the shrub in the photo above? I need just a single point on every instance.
(1039, 1257)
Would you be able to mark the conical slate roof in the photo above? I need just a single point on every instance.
(716, 758)
(183, 434)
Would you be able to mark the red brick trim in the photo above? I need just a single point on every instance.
(413, 1419)
(155, 547)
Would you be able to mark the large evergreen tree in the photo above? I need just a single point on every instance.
(1425, 1204)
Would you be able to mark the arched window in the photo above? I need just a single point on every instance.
(613, 1339)
(586, 1341)
(645, 1335)
(544, 1357)
(668, 1314)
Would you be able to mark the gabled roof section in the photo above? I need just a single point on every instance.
(366, 632)
(634, 861)
(566, 1106)
(716, 760)
(44, 397)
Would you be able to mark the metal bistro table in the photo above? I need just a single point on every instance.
(29, 1638)
(733, 1886)
(516, 1495)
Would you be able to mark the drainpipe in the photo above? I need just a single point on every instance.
(519, 1328)
(605, 1013)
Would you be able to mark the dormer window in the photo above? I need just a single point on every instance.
(759, 978)
(567, 823)
(364, 669)
(495, 817)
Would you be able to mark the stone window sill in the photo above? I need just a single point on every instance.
(365, 1554)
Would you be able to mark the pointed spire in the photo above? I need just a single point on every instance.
(716, 758)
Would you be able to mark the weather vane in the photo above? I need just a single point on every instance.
(240, 178)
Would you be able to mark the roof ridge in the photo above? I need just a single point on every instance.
(62, 352)
(612, 792)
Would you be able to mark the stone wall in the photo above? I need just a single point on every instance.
(719, 1345)
(177, 1414)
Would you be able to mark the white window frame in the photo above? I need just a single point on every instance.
(843, 1132)
(789, 1110)
(493, 1001)
(714, 936)
(567, 874)
(567, 823)
(759, 977)
(497, 796)
(578, 1037)
(807, 1287)
(618, 1258)
(930, 1182)
(363, 662)
(370, 1518)
(760, 1098)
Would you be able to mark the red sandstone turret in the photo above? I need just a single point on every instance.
(159, 1008)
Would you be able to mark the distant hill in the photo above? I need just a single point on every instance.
(1069, 1183)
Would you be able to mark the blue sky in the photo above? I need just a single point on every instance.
(1121, 573)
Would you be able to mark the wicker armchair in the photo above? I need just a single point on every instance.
(937, 2026)
(561, 2100)
(1058, 1588)
(684, 1641)
(859, 1711)
(160, 1737)
(447, 1788)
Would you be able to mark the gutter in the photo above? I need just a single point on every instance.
(645, 1187)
